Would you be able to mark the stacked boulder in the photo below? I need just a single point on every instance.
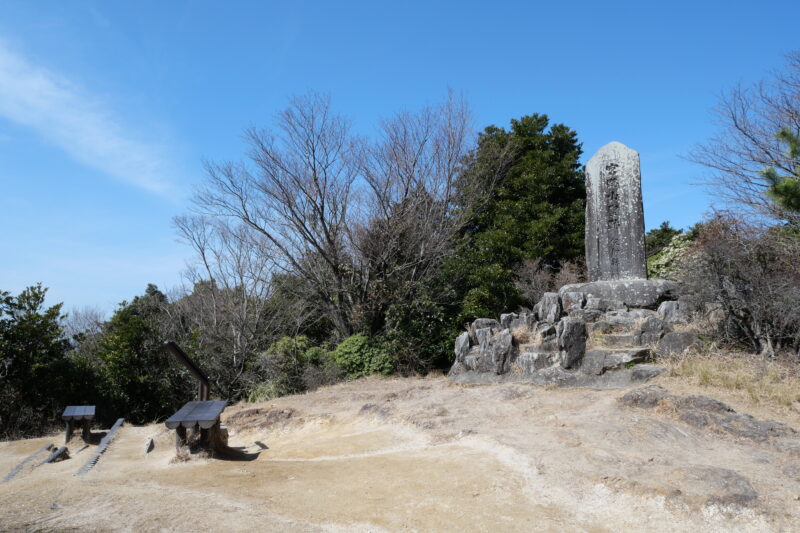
(577, 336)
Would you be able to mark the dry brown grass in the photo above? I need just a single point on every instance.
(521, 335)
(756, 379)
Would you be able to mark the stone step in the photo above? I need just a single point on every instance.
(615, 341)
(598, 360)
(531, 361)
(546, 346)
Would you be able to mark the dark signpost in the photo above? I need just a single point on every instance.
(182, 358)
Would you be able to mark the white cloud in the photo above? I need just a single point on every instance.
(78, 123)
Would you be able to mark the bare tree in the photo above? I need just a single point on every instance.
(295, 194)
(87, 321)
(752, 273)
(749, 118)
(353, 224)
(411, 173)
(224, 314)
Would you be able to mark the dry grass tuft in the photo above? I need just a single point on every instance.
(521, 335)
(667, 407)
(759, 380)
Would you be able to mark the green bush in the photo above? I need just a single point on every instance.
(358, 356)
(667, 263)
(286, 360)
(264, 392)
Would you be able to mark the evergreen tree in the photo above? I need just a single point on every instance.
(138, 378)
(534, 208)
(656, 239)
(37, 379)
(785, 190)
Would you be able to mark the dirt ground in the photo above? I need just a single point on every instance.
(422, 455)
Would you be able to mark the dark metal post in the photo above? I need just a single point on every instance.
(87, 430)
(180, 355)
(180, 437)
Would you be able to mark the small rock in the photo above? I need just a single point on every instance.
(507, 318)
(572, 301)
(571, 334)
(710, 485)
(513, 321)
(462, 346)
(593, 361)
(549, 307)
(587, 315)
(644, 372)
(647, 397)
(676, 342)
(673, 312)
(479, 323)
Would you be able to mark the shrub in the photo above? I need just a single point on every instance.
(667, 262)
(534, 278)
(283, 365)
(264, 392)
(358, 356)
(320, 368)
(753, 275)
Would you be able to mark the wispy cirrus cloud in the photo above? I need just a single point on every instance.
(78, 123)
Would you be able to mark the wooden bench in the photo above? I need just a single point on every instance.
(78, 413)
(203, 415)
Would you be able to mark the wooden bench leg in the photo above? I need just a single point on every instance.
(180, 437)
(69, 431)
(87, 430)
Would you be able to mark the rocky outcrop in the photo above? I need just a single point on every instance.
(571, 338)
(706, 413)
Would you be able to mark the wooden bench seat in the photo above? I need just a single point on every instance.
(204, 415)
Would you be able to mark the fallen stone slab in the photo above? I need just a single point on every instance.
(59, 454)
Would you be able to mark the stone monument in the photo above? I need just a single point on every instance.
(597, 333)
(614, 215)
(615, 254)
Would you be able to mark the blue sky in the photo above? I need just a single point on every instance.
(108, 109)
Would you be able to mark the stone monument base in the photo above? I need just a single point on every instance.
(595, 334)
(633, 293)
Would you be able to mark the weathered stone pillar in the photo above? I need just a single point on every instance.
(614, 215)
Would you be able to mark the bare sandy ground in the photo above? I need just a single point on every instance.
(421, 455)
